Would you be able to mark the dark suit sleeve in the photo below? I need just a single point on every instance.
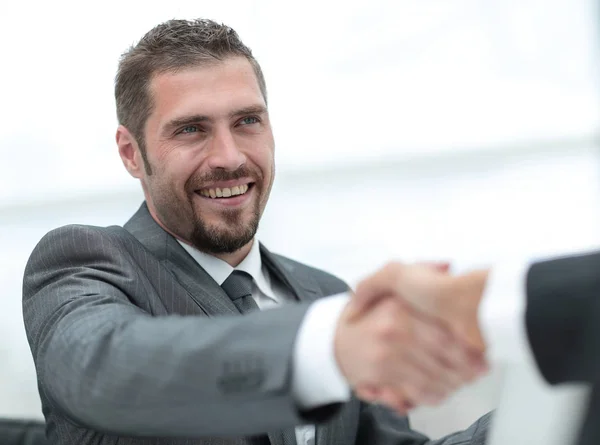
(110, 366)
(563, 297)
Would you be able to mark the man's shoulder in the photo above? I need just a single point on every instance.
(79, 231)
(327, 281)
(80, 237)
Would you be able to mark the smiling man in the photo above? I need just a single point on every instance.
(158, 331)
(210, 167)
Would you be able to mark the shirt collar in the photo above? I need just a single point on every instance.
(219, 270)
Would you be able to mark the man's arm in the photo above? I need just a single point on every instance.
(109, 365)
(553, 303)
(562, 317)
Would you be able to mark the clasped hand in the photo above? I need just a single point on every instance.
(410, 335)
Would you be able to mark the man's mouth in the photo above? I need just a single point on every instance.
(225, 192)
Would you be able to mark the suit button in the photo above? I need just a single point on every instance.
(238, 382)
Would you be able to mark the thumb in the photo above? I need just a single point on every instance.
(373, 289)
(439, 266)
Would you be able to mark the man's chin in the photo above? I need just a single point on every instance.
(217, 240)
(219, 247)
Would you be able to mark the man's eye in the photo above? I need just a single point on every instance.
(189, 129)
(249, 120)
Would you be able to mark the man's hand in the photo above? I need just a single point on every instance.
(395, 355)
(451, 300)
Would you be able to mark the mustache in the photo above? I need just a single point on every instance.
(197, 182)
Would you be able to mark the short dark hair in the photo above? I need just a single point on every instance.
(168, 47)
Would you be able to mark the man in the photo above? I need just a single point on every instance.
(136, 331)
(550, 311)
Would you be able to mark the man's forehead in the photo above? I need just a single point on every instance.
(208, 75)
(215, 88)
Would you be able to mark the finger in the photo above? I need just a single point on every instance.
(469, 333)
(440, 266)
(439, 378)
(387, 396)
(463, 362)
(442, 376)
(477, 361)
(443, 267)
(438, 353)
(371, 290)
(417, 393)
(360, 304)
(368, 393)
(420, 386)
(394, 399)
(469, 363)
(412, 350)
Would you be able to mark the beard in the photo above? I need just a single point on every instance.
(235, 228)
(218, 240)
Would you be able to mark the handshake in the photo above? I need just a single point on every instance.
(410, 335)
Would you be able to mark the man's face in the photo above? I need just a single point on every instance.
(211, 150)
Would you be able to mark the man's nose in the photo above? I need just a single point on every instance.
(224, 151)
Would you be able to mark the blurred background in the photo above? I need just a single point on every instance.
(464, 130)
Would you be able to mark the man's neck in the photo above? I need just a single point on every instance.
(235, 258)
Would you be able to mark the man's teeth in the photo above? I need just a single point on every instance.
(224, 192)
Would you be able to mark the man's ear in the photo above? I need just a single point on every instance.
(130, 153)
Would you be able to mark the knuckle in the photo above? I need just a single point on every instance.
(413, 392)
(391, 265)
(392, 268)
(386, 330)
(379, 357)
(404, 331)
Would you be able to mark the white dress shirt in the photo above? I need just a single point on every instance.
(502, 314)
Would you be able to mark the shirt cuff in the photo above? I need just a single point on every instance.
(316, 377)
(502, 314)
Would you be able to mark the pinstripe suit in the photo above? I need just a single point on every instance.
(134, 343)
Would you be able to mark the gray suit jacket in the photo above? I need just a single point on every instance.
(134, 343)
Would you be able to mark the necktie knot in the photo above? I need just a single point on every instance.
(238, 287)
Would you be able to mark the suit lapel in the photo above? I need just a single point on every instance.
(200, 286)
(336, 430)
(303, 285)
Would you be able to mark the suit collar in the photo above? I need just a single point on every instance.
(218, 269)
(201, 286)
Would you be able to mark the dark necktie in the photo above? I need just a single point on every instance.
(238, 287)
